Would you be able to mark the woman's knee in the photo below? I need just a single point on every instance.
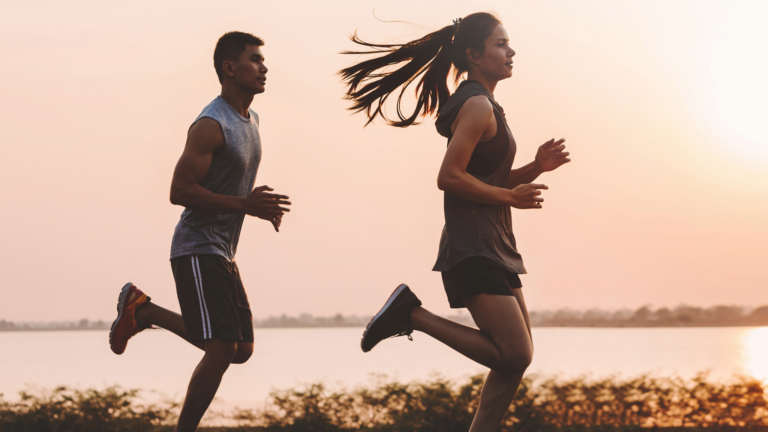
(244, 352)
(516, 363)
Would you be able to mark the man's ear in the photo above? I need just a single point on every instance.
(227, 67)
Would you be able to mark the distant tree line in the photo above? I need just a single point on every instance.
(681, 316)
(283, 321)
(646, 316)
(83, 324)
(307, 320)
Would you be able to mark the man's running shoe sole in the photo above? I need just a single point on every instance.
(400, 288)
(120, 309)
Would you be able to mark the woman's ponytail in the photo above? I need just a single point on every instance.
(430, 58)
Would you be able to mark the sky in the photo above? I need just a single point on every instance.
(662, 105)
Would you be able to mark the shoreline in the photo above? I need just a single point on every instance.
(619, 326)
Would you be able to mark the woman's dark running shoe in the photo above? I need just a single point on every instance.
(394, 319)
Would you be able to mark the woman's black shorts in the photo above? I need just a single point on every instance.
(478, 275)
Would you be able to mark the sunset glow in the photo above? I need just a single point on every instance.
(755, 344)
(737, 85)
(663, 106)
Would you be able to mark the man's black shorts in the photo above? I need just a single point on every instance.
(212, 299)
(478, 275)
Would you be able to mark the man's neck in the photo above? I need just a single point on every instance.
(237, 99)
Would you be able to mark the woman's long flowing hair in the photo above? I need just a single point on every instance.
(428, 60)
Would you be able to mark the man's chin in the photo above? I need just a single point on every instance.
(257, 88)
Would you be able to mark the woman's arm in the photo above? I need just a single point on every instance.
(474, 123)
(550, 156)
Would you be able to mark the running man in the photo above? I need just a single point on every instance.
(477, 255)
(214, 180)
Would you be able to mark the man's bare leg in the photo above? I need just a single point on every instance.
(205, 381)
(152, 314)
(208, 373)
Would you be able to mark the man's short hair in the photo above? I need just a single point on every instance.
(230, 47)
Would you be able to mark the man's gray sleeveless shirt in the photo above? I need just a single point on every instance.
(233, 173)
(473, 229)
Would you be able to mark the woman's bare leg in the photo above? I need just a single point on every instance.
(502, 343)
(499, 389)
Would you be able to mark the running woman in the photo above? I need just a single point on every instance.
(477, 257)
(214, 180)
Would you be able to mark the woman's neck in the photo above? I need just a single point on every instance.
(490, 85)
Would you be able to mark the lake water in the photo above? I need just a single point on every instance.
(162, 363)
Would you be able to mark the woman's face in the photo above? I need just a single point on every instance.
(496, 62)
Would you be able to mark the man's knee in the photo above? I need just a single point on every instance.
(244, 352)
(220, 352)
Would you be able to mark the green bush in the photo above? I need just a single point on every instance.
(435, 405)
(644, 401)
(541, 405)
(546, 405)
(65, 409)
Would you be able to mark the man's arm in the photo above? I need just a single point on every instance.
(204, 138)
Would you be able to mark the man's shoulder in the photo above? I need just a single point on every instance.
(212, 116)
(207, 133)
(254, 114)
(214, 109)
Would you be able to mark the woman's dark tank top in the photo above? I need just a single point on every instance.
(473, 229)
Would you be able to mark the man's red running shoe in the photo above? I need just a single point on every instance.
(125, 325)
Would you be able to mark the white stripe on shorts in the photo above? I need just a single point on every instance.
(201, 298)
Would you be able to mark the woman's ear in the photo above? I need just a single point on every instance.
(472, 55)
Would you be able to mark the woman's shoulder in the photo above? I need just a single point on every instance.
(467, 99)
(476, 108)
(477, 102)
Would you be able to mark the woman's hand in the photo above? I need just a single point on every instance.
(551, 155)
(526, 196)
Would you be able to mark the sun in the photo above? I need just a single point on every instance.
(737, 81)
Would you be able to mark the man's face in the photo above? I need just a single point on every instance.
(249, 71)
